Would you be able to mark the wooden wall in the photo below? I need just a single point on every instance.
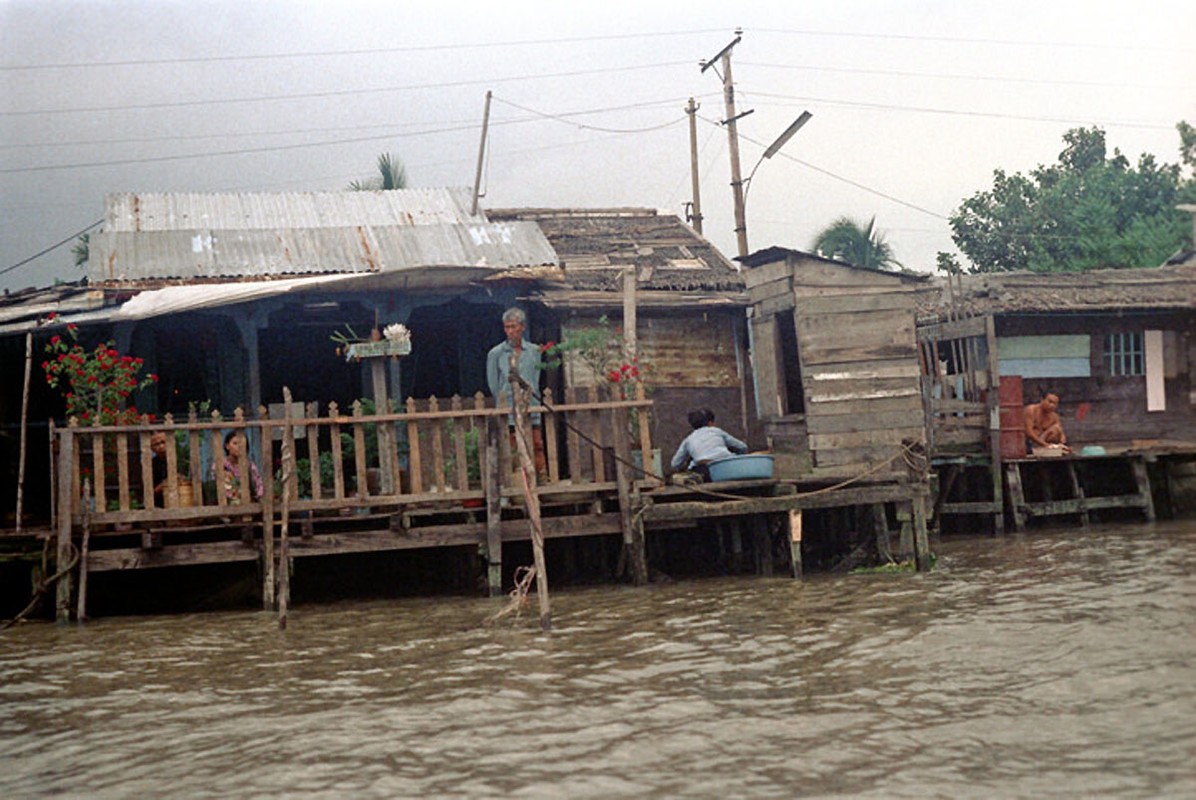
(857, 357)
(693, 361)
(1114, 407)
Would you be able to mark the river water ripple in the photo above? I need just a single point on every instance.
(1056, 664)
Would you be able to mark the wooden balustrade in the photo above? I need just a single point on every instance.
(430, 450)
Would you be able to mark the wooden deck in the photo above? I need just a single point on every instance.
(448, 483)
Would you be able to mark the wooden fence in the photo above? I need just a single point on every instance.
(428, 451)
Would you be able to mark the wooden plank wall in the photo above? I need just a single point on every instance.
(692, 361)
(1114, 407)
(860, 376)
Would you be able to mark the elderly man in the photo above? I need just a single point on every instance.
(1044, 428)
(527, 359)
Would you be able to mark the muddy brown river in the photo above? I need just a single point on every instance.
(1060, 663)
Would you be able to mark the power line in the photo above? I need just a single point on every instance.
(960, 76)
(562, 118)
(364, 52)
(352, 140)
(38, 255)
(339, 92)
(953, 112)
(971, 40)
(840, 178)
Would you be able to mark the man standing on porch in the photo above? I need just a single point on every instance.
(498, 371)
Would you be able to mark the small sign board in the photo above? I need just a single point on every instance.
(382, 347)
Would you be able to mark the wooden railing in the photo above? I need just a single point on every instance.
(430, 450)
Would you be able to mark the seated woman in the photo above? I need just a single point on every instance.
(234, 462)
(704, 444)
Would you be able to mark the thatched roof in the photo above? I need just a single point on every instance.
(1157, 288)
(595, 245)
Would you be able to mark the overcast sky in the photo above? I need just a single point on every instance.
(915, 103)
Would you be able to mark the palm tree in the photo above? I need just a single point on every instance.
(846, 240)
(81, 250)
(391, 175)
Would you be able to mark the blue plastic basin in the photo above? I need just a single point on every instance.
(741, 468)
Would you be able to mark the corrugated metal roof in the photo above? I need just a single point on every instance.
(212, 253)
(269, 210)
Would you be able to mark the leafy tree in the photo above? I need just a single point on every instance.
(391, 175)
(1088, 211)
(861, 245)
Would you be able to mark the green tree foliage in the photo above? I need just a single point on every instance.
(81, 250)
(861, 245)
(391, 175)
(1088, 211)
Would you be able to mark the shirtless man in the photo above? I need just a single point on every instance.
(1043, 426)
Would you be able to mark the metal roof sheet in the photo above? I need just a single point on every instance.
(224, 253)
(185, 211)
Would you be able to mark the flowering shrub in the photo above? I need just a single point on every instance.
(95, 383)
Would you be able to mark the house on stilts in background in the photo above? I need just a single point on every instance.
(1118, 347)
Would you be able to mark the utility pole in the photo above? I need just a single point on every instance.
(477, 180)
(724, 56)
(696, 210)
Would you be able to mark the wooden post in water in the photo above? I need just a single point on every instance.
(268, 500)
(66, 499)
(633, 531)
(491, 483)
(520, 391)
(795, 541)
(284, 552)
(81, 607)
(921, 544)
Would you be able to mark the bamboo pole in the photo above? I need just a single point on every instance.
(520, 391)
(24, 429)
(284, 553)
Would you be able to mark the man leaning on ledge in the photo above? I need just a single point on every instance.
(498, 371)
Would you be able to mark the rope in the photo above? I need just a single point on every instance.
(44, 584)
(523, 584)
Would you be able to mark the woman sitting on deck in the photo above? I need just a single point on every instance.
(705, 444)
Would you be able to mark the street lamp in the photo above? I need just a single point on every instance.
(775, 147)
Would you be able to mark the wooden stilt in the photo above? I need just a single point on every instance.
(496, 429)
(633, 538)
(84, 546)
(905, 542)
(66, 460)
(880, 527)
(1142, 478)
(1017, 497)
(921, 541)
(1077, 492)
(795, 542)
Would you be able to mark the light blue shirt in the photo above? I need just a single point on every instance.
(498, 370)
(706, 444)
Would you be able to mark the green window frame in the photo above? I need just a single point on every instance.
(1124, 354)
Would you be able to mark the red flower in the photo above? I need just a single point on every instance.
(613, 376)
(72, 326)
(55, 339)
(51, 316)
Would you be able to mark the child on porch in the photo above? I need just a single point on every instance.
(704, 444)
(234, 461)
